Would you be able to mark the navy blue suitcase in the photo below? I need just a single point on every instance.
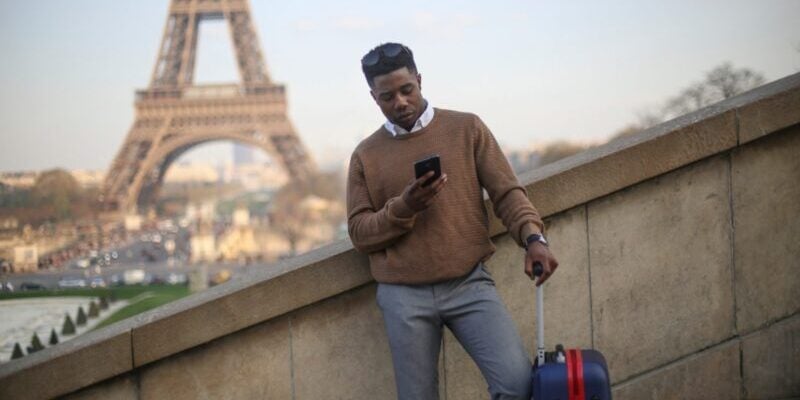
(566, 375)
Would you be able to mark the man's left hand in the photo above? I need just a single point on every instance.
(538, 252)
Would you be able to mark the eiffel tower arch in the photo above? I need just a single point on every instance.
(173, 114)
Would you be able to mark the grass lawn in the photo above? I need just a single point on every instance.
(151, 297)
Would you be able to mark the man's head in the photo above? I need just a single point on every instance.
(394, 83)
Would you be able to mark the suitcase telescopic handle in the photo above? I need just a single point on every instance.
(538, 271)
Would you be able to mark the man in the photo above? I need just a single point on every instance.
(427, 242)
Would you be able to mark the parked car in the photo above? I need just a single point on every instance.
(136, 277)
(220, 277)
(175, 278)
(71, 283)
(31, 286)
(97, 282)
(6, 287)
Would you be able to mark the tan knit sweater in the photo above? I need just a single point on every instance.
(447, 239)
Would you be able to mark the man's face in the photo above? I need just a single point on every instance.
(399, 96)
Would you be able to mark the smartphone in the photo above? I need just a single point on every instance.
(425, 165)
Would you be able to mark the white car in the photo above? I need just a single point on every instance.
(133, 277)
(69, 283)
(176, 278)
(97, 282)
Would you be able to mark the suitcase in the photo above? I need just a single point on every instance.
(573, 374)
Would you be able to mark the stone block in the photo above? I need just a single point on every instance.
(661, 268)
(69, 366)
(249, 300)
(120, 388)
(254, 363)
(770, 114)
(567, 316)
(711, 374)
(771, 361)
(340, 350)
(766, 212)
(567, 303)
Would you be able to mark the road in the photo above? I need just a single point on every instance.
(147, 251)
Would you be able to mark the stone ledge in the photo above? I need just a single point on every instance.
(334, 269)
(624, 162)
(227, 308)
(71, 365)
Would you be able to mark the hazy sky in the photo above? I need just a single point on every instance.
(535, 71)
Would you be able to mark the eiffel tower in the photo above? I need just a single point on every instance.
(173, 114)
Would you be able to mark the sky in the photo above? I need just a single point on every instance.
(534, 71)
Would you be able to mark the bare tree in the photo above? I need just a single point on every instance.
(726, 82)
(558, 150)
(722, 82)
(288, 216)
(797, 47)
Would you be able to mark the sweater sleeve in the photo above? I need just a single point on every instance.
(371, 230)
(509, 198)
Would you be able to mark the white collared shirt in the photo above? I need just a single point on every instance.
(422, 122)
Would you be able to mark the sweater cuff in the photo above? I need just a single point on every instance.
(399, 213)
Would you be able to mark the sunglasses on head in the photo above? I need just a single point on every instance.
(390, 50)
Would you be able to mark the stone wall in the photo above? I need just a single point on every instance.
(678, 251)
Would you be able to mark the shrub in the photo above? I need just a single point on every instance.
(94, 311)
(36, 344)
(81, 319)
(53, 337)
(69, 326)
(17, 352)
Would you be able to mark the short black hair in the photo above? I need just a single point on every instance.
(386, 64)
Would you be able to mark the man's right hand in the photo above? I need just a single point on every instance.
(419, 197)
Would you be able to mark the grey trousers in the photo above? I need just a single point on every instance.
(470, 307)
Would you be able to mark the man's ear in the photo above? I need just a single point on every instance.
(371, 93)
(419, 80)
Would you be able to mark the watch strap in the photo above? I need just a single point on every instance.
(535, 237)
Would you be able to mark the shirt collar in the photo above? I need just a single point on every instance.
(422, 122)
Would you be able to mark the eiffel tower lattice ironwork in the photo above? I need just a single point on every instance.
(173, 114)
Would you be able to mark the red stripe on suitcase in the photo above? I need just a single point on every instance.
(580, 392)
(569, 375)
(575, 389)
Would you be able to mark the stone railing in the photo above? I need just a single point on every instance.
(678, 250)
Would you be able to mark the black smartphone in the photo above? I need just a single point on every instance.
(425, 165)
